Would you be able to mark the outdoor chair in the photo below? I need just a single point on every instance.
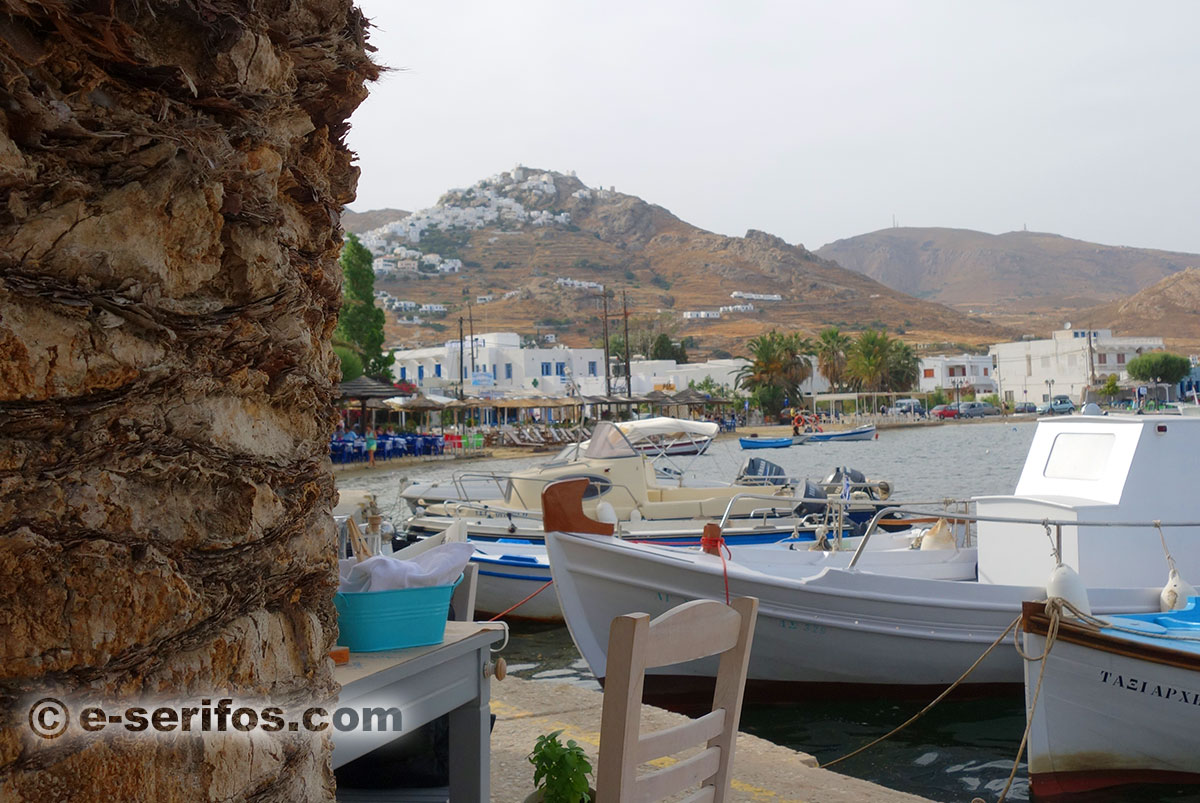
(690, 631)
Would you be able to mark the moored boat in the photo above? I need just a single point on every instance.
(1117, 702)
(1107, 479)
(773, 443)
(865, 432)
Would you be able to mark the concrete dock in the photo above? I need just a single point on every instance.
(762, 772)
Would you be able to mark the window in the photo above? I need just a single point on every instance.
(545, 369)
(508, 370)
(1079, 456)
(403, 373)
(927, 373)
(560, 369)
(985, 371)
(437, 369)
(591, 367)
(1120, 359)
(420, 372)
(1102, 359)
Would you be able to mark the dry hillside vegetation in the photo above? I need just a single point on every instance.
(666, 266)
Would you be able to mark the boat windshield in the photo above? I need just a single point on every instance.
(608, 442)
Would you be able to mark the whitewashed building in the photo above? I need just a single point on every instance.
(964, 371)
(701, 314)
(495, 363)
(756, 296)
(433, 308)
(1067, 363)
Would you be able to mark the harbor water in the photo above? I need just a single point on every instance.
(960, 750)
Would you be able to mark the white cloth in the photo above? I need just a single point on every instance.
(438, 566)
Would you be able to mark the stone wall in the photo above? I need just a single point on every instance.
(171, 177)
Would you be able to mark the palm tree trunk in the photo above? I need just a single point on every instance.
(173, 175)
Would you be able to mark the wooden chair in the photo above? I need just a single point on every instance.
(692, 630)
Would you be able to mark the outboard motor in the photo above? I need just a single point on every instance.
(757, 471)
(811, 491)
(833, 483)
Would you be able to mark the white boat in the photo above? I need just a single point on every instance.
(1101, 475)
(625, 488)
(653, 437)
(509, 573)
(866, 432)
(1117, 705)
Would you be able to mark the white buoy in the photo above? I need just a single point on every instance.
(1175, 593)
(1066, 584)
(605, 513)
(635, 516)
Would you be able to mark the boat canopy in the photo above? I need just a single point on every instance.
(662, 425)
(608, 442)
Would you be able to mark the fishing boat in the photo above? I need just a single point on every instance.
(659, 437)
(1118, 701)
(1103, 479)
(865, 432)
(773, 443)
(626, 488)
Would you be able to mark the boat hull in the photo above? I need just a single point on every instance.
(858, 434)
(765, 443)
(1110, 712)
(834, 628)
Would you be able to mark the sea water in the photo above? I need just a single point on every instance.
(960, 750)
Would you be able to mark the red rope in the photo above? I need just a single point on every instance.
(522, 602)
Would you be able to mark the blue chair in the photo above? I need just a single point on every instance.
(337, 451)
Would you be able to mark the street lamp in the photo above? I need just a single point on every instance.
(1049, 390)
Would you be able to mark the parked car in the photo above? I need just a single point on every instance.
(976, 409)
(945, 410)
(908, 407)
(1060, 406)
(1025, 407)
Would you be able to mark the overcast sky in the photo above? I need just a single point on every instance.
(812, 121)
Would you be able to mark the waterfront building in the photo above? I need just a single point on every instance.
(1066, 363)
(962, 372)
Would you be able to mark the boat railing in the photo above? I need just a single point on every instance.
(913, 509)
(828, 501)
(456, 508)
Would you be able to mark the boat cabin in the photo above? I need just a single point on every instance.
(1100, 470)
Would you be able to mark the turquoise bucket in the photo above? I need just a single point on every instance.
(370, 621)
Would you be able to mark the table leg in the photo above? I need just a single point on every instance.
(470, 744)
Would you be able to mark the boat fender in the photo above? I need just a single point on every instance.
(885, 489)
(1066, 584)
(1175, 593)
(939, 536)
(605, 513)
(821, 540)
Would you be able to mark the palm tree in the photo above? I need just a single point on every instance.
(778, 365)
(903, 368)
(867, 360)
(831, 348)
(170, 289)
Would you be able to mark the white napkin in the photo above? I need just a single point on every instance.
(438, 566)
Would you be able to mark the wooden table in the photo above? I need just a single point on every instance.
(424, 683)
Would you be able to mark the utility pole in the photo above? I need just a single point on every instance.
(628, 380)
(607, 371)
(471, 318)
(1091, 361)
(461, 363)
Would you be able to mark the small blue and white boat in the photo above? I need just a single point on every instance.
(864, 433)
(773, 443)
(1117, 705)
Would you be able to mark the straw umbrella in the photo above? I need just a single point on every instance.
(362, 389)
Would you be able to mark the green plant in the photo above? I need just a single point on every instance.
(560, 771)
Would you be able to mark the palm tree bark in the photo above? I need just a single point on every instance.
(172, 179)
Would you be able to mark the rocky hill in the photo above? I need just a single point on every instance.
(994, 274)
(1169, 308)
(359, 222)
(517, 233)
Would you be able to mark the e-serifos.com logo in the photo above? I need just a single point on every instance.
(50, 718)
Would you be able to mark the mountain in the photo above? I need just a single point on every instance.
(359, 222)
(519, 232)
(1019, 270)
(1170, 309)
